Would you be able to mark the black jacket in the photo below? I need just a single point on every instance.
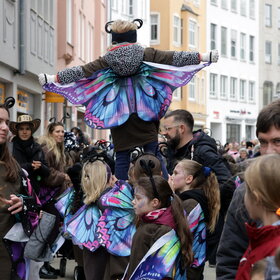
(25, 156)
(234, 239)
(205, 152)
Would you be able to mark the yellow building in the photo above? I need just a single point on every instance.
(181, 25)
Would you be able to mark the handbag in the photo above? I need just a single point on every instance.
(38, 248)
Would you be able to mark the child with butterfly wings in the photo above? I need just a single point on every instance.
(129, 89)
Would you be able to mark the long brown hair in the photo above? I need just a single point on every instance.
(168, 198)
(210, 186)
(12, 173)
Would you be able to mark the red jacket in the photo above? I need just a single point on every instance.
(262, 243)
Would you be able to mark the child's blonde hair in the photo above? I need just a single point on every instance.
(210, 186)
(122, 26)
(94, 180)
(262, 178)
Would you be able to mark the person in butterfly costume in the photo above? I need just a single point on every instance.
(128, 90)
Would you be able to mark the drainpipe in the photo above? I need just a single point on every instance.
(21, 37)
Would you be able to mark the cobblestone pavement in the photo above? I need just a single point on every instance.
(209, 273)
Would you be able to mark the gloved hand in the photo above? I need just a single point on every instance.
(211, 56)
(46, 79)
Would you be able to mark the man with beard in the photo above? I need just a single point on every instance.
(183, 143)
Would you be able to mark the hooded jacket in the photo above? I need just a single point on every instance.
(203, 149)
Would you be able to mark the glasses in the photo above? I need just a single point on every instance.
(168, 128)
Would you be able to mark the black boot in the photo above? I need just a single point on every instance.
(79, 273)
(48, 272)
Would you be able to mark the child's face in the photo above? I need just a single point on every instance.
(179, 178)
(141, 204)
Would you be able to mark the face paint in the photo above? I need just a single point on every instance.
(142, 205)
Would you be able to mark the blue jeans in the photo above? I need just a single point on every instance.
(123, 161)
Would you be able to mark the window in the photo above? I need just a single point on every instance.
(252, 89)
(214, 2)
(81, 44)
(242, 46)
(242, 93)
(268, 15)
(251, 48)
(213, 30)
(177, 94)
(224, 4)
(268, 52)
(243, 8)
(224, 41)
(267, 93)
(154, 28)
(192, 29)
(192, 89)
(278, 17)
(233, 133)
(176, 30)
(69, 21)
(224, 87)
(114, 4)
(278, 54)
(233, 88)
(90, 43)
(277, 95)
(252, 9)
(130, 7)
(213, 85)
(233, 43)
(233, 6)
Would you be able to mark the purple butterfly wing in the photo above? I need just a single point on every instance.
(116, 226)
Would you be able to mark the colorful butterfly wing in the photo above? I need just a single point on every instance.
(116, 228)
(161, 263)
(104, 94)
(120, 196)
(82, 227)
(64, 200)
(115, 231)
(198, 228)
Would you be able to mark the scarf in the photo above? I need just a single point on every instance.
(161, 216)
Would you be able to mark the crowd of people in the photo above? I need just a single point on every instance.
(145, 206)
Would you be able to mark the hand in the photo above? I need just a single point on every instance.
(46, 79)
(36, 164)
(15, 202)
(211, 56)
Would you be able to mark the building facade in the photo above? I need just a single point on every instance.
(269, 51)
(81, 38)
(28, 47)
(232, 87)
(181, 26)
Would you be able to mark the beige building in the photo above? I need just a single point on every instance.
(81, 38)
(181, 25)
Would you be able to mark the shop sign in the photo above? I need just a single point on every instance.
(22, 100)
(2, 93)
(216, 114)
(52, 97)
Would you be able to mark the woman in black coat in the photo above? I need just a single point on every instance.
(27, 152)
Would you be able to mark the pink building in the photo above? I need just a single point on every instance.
(81, 38)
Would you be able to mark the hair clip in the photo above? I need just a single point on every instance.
(136, 153)
(138, 22)
(206, 171)
(66, 116)
(107, 26)
(52, 120)
(9, 102)
(148, 166)
(103, 144)
(278, 212)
